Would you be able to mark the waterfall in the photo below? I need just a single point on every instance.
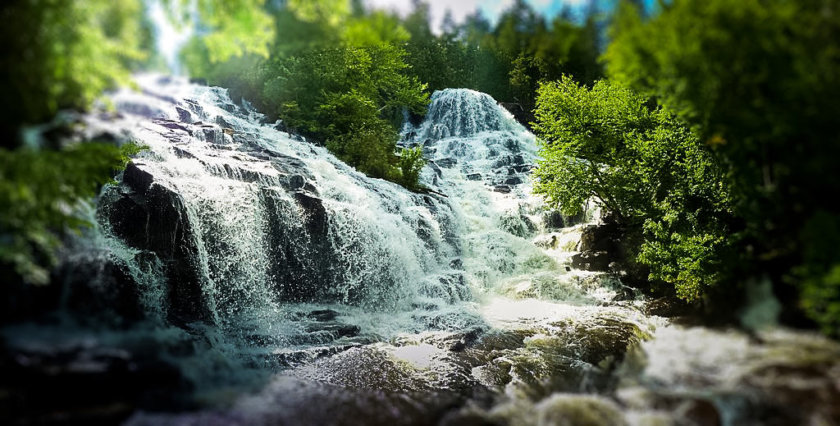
(239, 274)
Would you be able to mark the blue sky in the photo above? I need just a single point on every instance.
(461, 8)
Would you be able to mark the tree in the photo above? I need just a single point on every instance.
(349, 98)
(645, 168)
(63, 54)
(757, 80)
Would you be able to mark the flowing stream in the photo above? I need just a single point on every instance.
(277, 285)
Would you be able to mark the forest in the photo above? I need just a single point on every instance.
(703, 130)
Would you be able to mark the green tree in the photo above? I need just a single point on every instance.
(757, 80)
(63, 54)
(40, 192)
(645, 168)
(349, 98)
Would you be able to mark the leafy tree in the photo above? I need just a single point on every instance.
(63, 54)
(40, 191)
(351, 98)
(757, 80)
(644, 167)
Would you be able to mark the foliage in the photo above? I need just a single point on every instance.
(63, 54)
(40, 191)
(644, 167)
(228, 28)
(410, 165)
(351, 98)
(758, 81)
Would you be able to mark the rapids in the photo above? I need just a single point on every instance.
(263, 281)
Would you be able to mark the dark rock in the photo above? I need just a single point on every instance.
(213, 135)
(136, 178)
(700, 412)
(244, 138)
(184, 115)
(504, 189)
(182, 153)
(100, 289)
(152, 217)
(222, 122)
(172, 125)
(516, 180)
(592, 261)
(553, 220)
(446, 162)
(323, 315)
(600, 238)
(316, 219)
(474, 176)
(296, 182)
(668, 306)
(83, 384)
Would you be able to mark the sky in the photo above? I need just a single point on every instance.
(462, 8)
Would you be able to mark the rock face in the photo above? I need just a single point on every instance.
(152, 217)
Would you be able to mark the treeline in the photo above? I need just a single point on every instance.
(715, 142)
(343, 75)
(56, 55)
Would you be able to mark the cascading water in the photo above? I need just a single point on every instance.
(232, 254)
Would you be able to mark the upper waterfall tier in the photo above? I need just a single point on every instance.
(464, 113)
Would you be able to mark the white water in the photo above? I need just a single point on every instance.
(406, 278)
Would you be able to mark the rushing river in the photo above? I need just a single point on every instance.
(239, 274)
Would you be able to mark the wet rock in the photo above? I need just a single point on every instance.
(183, 153)
(323, 315)
(515, 180)
(316, 217)
(223, 123)
(504, 189)
(172, 125)
(296, 182)
(184, 115)
(474, 176)
(579, 410)
(446, 162)
(149, 216)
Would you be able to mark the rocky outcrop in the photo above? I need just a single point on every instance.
(149, 216)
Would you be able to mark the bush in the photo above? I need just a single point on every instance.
(645, 168)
